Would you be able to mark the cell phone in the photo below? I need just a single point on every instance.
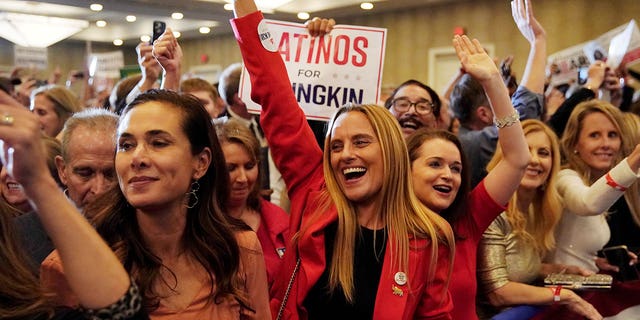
(583, 75)
(619, 257)
(158, 30)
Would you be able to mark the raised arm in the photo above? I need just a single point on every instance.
(93, 271)
(504, 179)
(292, 143)
(534, 72)
(168, 53)
(595, 199)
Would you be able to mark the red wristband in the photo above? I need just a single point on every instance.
(613, 184)
(556, 293)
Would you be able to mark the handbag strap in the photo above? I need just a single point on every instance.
(286, 293)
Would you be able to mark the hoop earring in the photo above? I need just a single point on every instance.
(66, 192)
(193, 197)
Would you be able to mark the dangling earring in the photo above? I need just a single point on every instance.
(193, 197)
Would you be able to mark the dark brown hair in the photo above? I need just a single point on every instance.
(459, 205)
(208, 236)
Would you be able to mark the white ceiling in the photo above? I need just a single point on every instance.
(197, 13)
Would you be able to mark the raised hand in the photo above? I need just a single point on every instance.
(168, 52)
(148, 65)
(474, 58)
(21, 148)
(319, 26)
(522, 13)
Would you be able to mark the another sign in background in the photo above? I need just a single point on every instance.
(327, 72)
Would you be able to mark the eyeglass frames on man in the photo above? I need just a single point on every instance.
(423, 107)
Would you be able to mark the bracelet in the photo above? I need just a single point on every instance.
(613, 184)
(556, 293)
(507, 121)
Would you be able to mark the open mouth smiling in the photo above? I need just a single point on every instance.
(354, 173)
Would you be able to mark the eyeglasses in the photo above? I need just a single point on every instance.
(423, 107)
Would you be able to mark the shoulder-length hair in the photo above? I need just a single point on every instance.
(572, 135)
(22, 295)
(209, 234)
(232, 131)
(459, 205)
(536, 227)
(400, 210)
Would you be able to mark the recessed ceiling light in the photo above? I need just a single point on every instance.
(101, 23)
(95, 7)
(118, 42)
(303, 15)
(177, 34)
(366, 5)
(131, 18)
(228, 6)
(145, 38)
(204, 30)
(177, 15)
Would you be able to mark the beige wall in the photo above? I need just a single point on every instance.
(411, 33)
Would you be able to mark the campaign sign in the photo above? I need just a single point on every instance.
(326, 72)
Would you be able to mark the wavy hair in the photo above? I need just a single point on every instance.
(403, 214)
(536, 227)
(209, 234)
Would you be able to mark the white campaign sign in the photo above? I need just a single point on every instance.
(106, 64)
(326, 72)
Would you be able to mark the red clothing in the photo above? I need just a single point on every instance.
(299, 159)
(272, 233)
(482, 210)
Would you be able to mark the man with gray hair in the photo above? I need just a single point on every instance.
(86, 166)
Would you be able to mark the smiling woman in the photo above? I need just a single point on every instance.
(596, 177)
(166, 220)
(364, 246)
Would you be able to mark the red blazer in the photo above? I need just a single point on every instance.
(273, 234)
(299, 160)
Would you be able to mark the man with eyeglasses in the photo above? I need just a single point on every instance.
(415, 105)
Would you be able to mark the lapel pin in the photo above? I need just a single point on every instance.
(400, 278)
(397, 291)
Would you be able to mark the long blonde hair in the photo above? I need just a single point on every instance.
(400, 210)
(536, 227)
(631, 127)
(572, 135)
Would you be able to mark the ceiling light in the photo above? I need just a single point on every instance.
(177, 34)
(130, 18)
(366, 6)
(101, 23)
(270, 5)
(228, 6)
(204, 30)
(303, 15)
(95, 7)
(37, 31)
(118, 42)
(145, 38)
(177, 15)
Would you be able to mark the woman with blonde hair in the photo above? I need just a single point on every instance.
(511, 251)
(53, 105)
(363, 246)
(597, 174)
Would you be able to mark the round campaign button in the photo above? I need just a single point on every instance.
(400, 278)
